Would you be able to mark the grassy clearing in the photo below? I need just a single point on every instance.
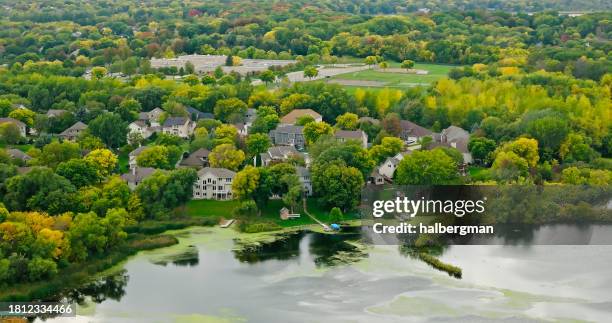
(270, 213)
(23, 148)
(398, 80)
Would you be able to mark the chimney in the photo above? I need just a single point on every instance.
(134, 170)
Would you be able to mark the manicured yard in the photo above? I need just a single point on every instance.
(398, 80)
(224, 209)
(479, 173)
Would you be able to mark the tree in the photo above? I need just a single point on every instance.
(482, 149)
(524, 148)
(304, 120)
(98, 72)
(335, 215)
(40, 189)
(56, 152)
(347, 121)
(79, 172)
(104, 159)
(226, 156)
(370, 61)
(432, 167)
(10, 133)
(407, 64)
(314, 130)
(24, 115)
(155, 157)
(110, 128)
(389, 147)
(509, 166)
(229, 60)
(189, 68)
(338, 185)
(228, 110)
(311, 72)
(128, 109)
(267, 76)
(257, 143)
(245, 183)
(383, 65)
(226, 134)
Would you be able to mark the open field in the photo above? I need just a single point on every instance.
(378, 78)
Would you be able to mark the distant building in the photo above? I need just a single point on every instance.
(197, 159)
(74, 131)
(179, 126)
(140, 127)
(376, 177)
(294, 115)
(214, 184)
(196, 115)
(152, 117)
(18, 154)
(388, 167)
(304, 175)
(412, 132)
(242, 129)
(133, 155)
(137, 175)
(53, 113)
(358, 135)
(457, 138)
(278, 154)
(22, 126)
(288, 135)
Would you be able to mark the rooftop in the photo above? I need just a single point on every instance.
(292, 116)
(217, 172)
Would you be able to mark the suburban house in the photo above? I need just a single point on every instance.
(74, 131)
(304, 175)
(250, 115)
(288, 135)
(214, 184)
(294, 115)
(376, 177)
(457, 138)
(196, 115)
(179, 126)
(278, 154)
(52, 113)
(412, 132)
(133, 155)
(152, 117)
(141, 127)
(18, 154)
(388, 167)
(136, 175)
(358, 135)
(242, 128)
(197, 159)
(22, 126)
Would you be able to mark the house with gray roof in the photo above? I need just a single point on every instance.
(134, 154)
(412, 132)
(179, 126)
(458, 138)
(303, 174)
(196, 115)
(214, 184)
(357, 135)
(288, 135)
(278, 154)
(74, 131)
(136, 175)
(18, 154)
(196, 159)
(53, 113)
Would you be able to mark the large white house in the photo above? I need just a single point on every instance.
(142, 128)
(214, 184)
(179, 126)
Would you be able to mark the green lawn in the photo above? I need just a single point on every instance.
(479, 173)
(23, 148)
(397, 80)
(270, 212)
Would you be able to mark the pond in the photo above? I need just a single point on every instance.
(316, 277)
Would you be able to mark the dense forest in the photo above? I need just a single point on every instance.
(529, 84)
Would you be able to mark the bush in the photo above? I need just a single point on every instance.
(41, 268)
(259, 227)
(335, 215)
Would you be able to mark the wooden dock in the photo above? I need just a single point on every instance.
(227, 223)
